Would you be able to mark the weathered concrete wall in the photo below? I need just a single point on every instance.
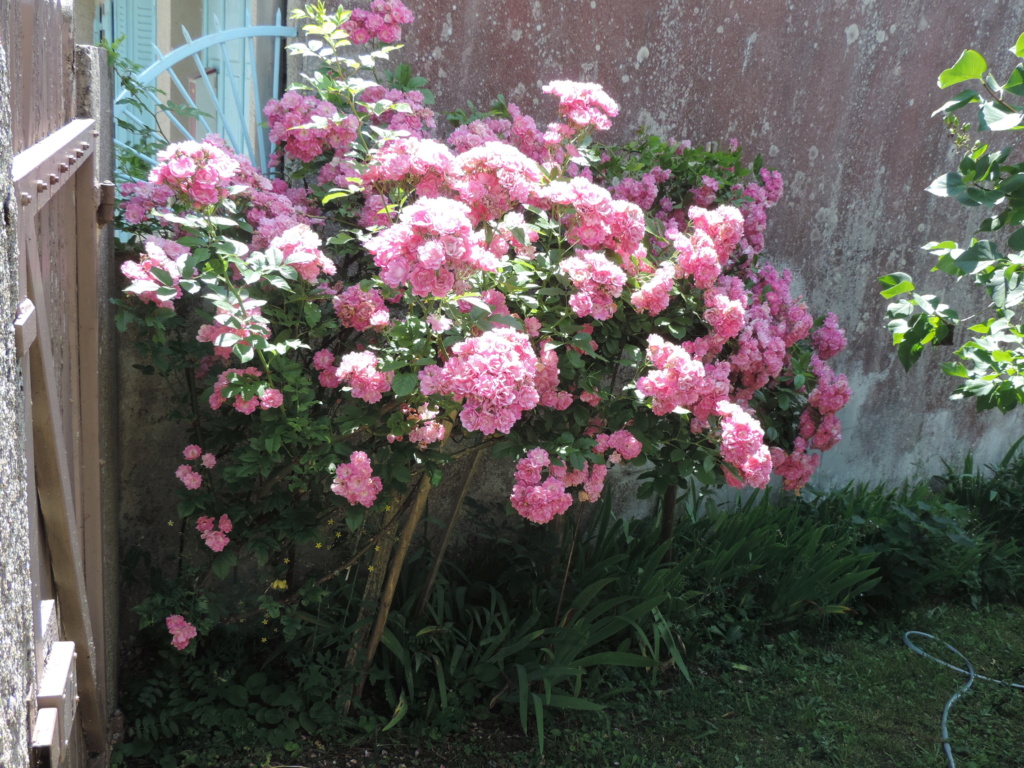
(16, 662)
(837, 95)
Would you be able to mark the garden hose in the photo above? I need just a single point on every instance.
(971, 677)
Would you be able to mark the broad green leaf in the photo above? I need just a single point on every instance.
(947, 185)
(979, 256)
(404, 384)
(223, 564)
(1015, 83)
(236, 695)
(970, 66)
(617, 659)
(1016, 241)
(961, 100)
(1012, 183)
(1018, 48)
(996, 117)
(900, 282)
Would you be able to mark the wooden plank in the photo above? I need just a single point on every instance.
(54, 489)
(58, 689)
(43, 169)
(90, 311)
(25, 327)
(38, 38)
(49, 631)
(46, 738)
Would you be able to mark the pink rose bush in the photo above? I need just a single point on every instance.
(396, 298)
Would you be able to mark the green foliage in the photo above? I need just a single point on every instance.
(925, 544)
(993, 497)
(546, 627)
(518, 634)
(991, 357)
(763, 564)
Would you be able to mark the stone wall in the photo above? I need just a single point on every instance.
(16, 662)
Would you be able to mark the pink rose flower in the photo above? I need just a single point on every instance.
(181, 631)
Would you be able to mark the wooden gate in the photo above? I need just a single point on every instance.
(58, 326)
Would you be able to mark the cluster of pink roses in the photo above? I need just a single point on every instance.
(189, 175)
(361, 310)
(157, 270)
(432, 245)
(300, 249)
(598, 282)
(359, 370)
(308, 127)
(583, 105)
(189, 477)
(412, 163)
(742, 446)
(396, 110)
(215, 535)
(621, 443)
(596, 221)
(680, 381)
(355, 481)
(268, 397)
(182, 632)
(493, 375)
(520, 132)
(382, 22)
(540, 499)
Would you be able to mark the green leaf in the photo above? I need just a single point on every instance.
(616, 659)
(954, 369)
(900, 282)
(1012, 183)
(223, 564)
(959, 101)
(970, 66)
(1018, 48)
(255, 682)
(996, 117)
(236, 695)
(563, 701)
(1016, 241)
(948, 185)
(400, 712)
(1015, 83)
(405, 384)
(979, 256)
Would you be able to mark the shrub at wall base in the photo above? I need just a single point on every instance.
(390, 302)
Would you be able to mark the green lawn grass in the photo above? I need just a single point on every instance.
(852, 697)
